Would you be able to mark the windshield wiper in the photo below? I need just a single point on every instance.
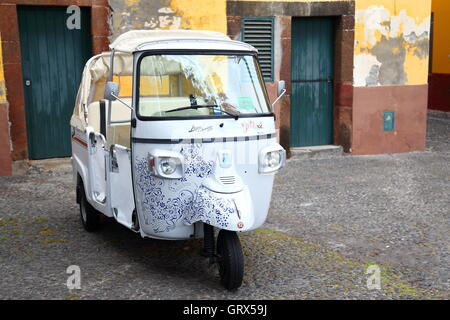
(196, 106)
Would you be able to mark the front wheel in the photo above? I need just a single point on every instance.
(231, 259)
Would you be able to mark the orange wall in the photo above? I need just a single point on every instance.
(441, 36)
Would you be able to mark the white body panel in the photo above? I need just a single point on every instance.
(88, 162)
(121, 186)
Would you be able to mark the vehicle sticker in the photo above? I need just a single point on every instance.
(249, 125)
(200, 129)
(246, 103)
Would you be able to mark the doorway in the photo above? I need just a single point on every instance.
(312, 81)
(53, 58)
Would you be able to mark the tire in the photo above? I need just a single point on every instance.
(90, 218)
(231, 259)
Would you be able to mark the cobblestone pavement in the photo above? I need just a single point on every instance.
(330, 219)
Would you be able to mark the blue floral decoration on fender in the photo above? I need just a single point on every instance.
(211, 209)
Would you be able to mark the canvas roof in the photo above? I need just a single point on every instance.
(131, 40)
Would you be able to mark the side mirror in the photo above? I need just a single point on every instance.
(281, 87)
(281, 91)
(111, 91)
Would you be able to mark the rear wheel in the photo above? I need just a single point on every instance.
(89, 216)
(230, 259)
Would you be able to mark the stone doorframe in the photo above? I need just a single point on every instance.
(344, 11)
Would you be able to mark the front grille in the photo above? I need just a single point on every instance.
(228, 179)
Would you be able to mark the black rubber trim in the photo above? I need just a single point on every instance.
(102, 117)
(205, 117)
(204, 140)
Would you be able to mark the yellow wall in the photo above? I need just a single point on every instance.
(391, 42)
(441, 36)
(291, 0)
(167, 15)
(2, 76)
(201, 14)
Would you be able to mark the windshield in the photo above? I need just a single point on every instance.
(200, 85)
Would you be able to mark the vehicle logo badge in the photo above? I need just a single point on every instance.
(225, 158)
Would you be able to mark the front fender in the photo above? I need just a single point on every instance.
(229, 211)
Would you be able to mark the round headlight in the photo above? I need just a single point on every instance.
(168, 165)
(273, 159)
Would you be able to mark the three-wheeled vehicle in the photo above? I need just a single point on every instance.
(186, 147)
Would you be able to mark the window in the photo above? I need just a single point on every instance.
(259, 32)
(200, 85)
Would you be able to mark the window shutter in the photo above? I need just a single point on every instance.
(259, 32)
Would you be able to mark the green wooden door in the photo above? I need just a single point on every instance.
(53, 58)
(312, 81)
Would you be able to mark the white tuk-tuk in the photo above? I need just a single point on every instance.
(187, 146)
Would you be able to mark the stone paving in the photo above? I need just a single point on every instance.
(330, 219)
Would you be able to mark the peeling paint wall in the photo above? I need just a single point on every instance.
(167, 14)
(391, 54)
(391, 42)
